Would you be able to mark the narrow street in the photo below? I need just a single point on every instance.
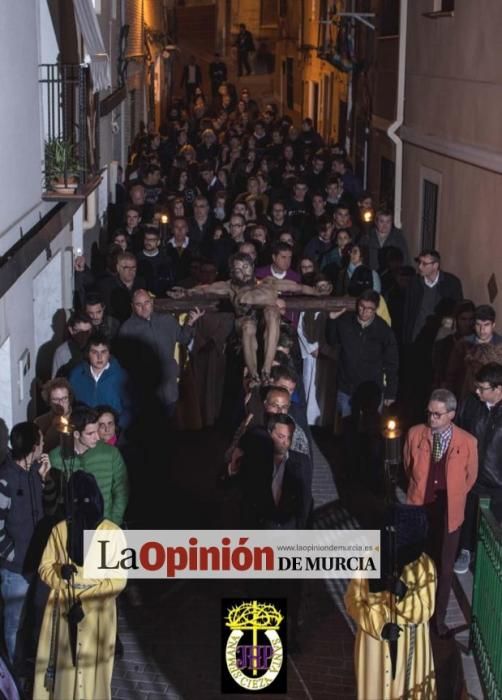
(172, 642)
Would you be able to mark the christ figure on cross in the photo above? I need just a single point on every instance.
(247, 294)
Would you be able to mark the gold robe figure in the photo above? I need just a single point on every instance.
(91, 678)
(415, 679)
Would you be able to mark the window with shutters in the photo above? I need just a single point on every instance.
(135, 18)
(269, 13)
(441, 8)
(444, 5)
(290, 83)
(389, 18)
(323, 34)
(430, 196)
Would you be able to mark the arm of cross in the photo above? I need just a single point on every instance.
(220, 289)
(293, 303)
(295, 288)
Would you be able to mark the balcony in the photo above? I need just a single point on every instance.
(70, 119)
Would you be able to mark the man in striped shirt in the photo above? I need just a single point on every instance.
(441, 462)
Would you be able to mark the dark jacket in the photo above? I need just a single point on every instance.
(355, 284)
(24, 529)
(486, 425)
(217, 72)
(157, 271)
(111, 389)
(244, 41)
(117, 296)
(181, 262)
(146, 348)
(364, 354)
(449, 290)
(395, 239)
(258, 509)
(109, 327)
(197, 233)
(185, 74)
(316, 248)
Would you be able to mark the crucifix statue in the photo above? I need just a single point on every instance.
(247, 295)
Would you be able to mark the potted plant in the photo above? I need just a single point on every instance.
(61, 166)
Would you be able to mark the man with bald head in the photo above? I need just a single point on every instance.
(147, 343)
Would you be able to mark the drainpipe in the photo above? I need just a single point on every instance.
(393, 128)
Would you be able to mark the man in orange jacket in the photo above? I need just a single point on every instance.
(441, 462)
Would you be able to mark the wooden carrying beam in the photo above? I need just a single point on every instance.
(293, 303)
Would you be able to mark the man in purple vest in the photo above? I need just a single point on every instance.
(280, 269)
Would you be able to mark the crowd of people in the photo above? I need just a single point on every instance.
(229, 197)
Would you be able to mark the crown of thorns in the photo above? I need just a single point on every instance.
(253, 615)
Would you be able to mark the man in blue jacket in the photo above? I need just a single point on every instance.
(101, 380)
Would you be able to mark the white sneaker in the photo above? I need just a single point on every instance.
(463, 561)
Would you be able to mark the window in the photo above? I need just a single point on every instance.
(97, 6)
(441, 8)
(315, 104)
(269, 13)
(389, 18)
(323, 34)
(290, 83)
(430, 195)
(342, 123)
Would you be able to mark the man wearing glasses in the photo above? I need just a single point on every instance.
(200, 225)
(431, 286)
(429, 291)
(441, 462)
(58, 395)
(481, 415)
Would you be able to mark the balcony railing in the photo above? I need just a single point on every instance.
(486, 620)
(71, 113)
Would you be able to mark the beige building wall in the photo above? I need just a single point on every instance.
(454, 73)
(452, 133)
(468, 235)
(287, 47)
(332, 83)
(251, 14)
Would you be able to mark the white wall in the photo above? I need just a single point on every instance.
(20, 178)
(28, 310)
(48, 49)
(5, 383)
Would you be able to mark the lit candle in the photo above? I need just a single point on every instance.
(164, 221)
(368, 216)
(66, 438)
(392, 437)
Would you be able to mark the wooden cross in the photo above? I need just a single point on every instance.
(209, 302)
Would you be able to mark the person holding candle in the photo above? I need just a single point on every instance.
(58, 395)
(441, 461)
